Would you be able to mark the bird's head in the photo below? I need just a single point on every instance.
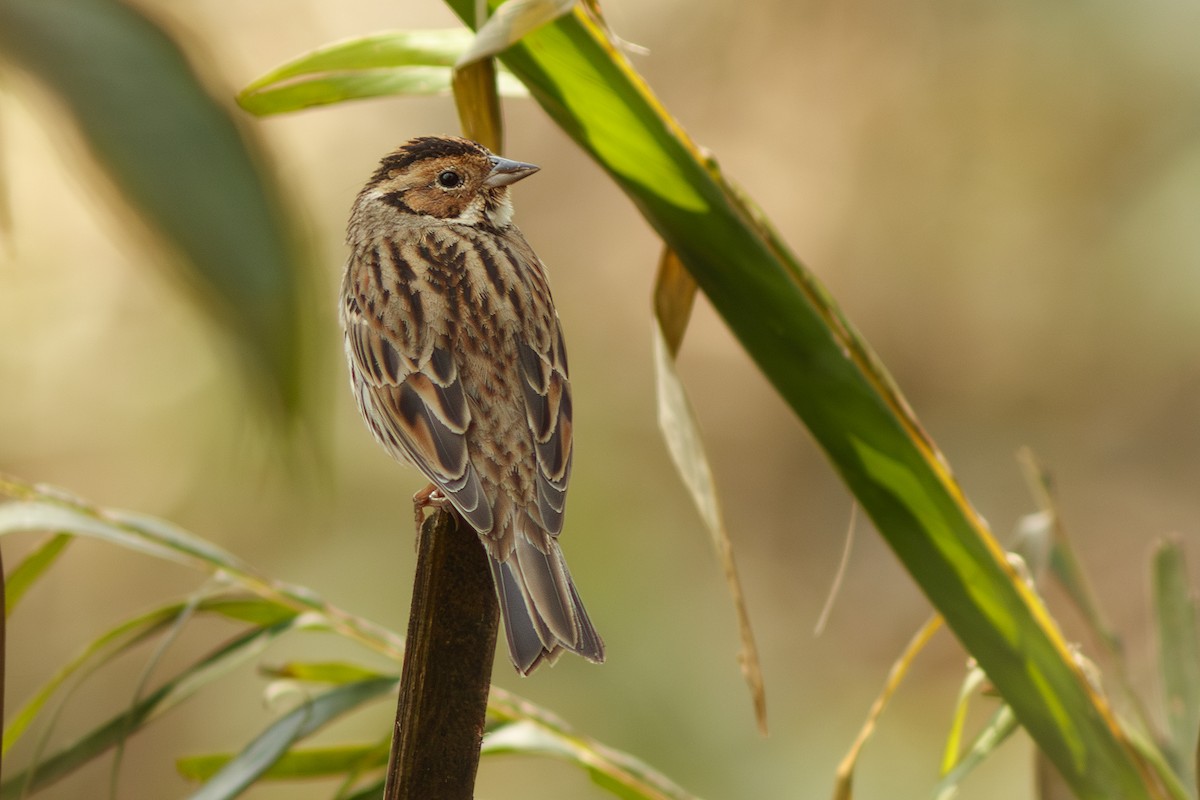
(447, 178)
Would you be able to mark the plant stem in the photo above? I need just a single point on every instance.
(447, 666)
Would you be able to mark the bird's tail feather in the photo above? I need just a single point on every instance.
(543, 614)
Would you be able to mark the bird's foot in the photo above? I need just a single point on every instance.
(429, 497)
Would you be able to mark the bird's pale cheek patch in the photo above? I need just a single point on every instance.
(500, 211)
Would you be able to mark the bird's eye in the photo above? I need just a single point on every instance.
(449, 179)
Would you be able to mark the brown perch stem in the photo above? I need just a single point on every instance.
(447, 666)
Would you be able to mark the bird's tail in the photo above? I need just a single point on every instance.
(543, 614)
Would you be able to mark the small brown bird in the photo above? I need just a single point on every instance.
(458, 365)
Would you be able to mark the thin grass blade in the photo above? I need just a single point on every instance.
(175, 691)
(43, 508)
(974, 679)
(619, 774)
(843, 788)
(275, 741)
(330, 672)
(104, 648)
(1002, 724)
(1174, 609)
(296, 764)
(31, 568)
(674, 293)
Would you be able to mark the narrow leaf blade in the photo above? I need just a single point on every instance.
(1174, 608)
(339, 87)
(677, 421)
(297, 764)
(31, 568)
(183, 165)
(109, 734)
(431, 48)
(792, 328)
(269, 746)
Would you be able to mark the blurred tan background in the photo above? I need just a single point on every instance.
(1004, 201)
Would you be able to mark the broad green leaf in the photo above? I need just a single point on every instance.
(397, 62)
(325, 89)
(271, 744)
(181, 163)
(170, 694)
(1174, 608)
(314, 762)
(388, 49)
(32, 567)
(794, 331)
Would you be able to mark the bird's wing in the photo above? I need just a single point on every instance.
(547, 392)
(417, 408)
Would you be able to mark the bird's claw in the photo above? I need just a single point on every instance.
(429, 497)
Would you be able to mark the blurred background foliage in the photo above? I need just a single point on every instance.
(1001, 198)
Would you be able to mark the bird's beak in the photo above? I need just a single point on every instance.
(505, 172)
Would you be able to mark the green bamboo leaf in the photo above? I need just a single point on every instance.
(974, 679)
(525, 732)
(280, 606)
(125, 636)
(296, 764)
(334, 672)
(257, 611)
(1174, 608)
(103, 649)
(387, 49)
(32, 567)
(44, 508)
(173, 545)
(271, 744)
(182, 164)
(833, 381)
(359, 85)
(396, 62)
(1000, 726)
(175, 691)
(512, 20)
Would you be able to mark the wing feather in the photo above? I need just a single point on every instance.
(418, 410)
(547, 392)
